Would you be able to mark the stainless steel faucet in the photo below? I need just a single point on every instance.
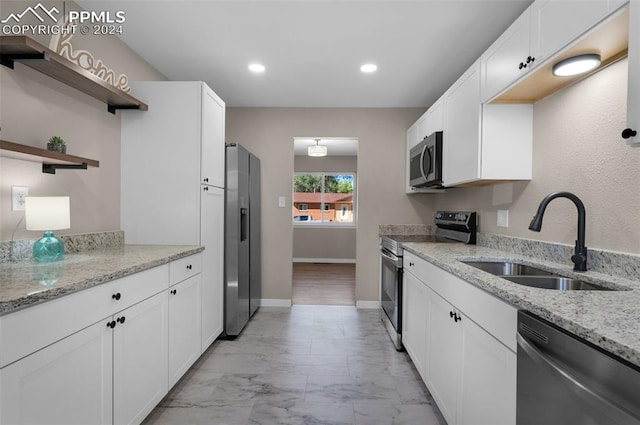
(579, 257)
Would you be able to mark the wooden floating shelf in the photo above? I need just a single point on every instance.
(50, 160)
(34, 55)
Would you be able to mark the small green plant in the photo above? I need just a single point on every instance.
(56, 143)
(56, 140)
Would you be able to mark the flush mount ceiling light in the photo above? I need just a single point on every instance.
(257, 68)
(576, 65)
(317, 150)
(368, 68)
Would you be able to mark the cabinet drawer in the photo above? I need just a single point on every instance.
(184, 268)
(33, 328)
(416, 265)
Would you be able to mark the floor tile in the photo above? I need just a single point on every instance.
(303, 365)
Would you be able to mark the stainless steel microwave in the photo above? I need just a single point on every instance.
(425, 162)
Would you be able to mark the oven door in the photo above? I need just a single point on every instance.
(391, 288)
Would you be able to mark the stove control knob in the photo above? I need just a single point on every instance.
(438, 215)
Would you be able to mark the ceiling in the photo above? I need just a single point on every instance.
(313, 49)
(335, 146)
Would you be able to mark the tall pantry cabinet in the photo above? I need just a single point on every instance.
(173, 181)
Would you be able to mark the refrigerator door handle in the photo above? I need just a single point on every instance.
(243, 224)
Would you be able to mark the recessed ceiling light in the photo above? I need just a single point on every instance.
(576, 65)
(368, 68)
(257, 68)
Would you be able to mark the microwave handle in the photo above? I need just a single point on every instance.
(425, 150)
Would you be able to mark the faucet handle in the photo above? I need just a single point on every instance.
(580, 259)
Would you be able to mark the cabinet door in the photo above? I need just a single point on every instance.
(140, 359)
(184, 326)
(556, 23)
(212, 218)
(212, 151)
(415, 321)
(445, 338)
(487, 390)
(435, 117)
(461, 139)
(633, 87)
(501, 62)
(68, 382)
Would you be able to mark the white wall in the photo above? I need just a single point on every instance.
(381, 134)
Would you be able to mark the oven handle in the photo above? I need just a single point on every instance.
(389, 256)
(578, 387)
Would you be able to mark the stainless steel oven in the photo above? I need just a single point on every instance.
(425, 162)
(451, 226)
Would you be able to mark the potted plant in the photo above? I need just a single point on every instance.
(56, 144)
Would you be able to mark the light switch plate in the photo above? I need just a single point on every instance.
(282, 201)
(18, 193)
(503, 218)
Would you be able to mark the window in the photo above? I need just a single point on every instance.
(324, 198)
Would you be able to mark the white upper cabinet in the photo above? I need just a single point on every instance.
(555, 23)
(213, 150)
(506, 60)
(633, 87)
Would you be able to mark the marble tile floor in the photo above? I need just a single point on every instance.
(304, 365)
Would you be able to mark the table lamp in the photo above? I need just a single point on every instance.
(47, 213)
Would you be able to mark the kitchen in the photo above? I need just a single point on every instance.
(606, 186)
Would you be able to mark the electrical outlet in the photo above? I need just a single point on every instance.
(503, 218)
(18, 193)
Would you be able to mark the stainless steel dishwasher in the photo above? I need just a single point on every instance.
(565, 380)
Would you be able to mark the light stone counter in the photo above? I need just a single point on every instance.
(607, 319)
(27, 283)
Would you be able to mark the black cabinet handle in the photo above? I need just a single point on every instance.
(451, 314)
(189, 267)
(206, 179)
(173, 291)
(522, 65)
(206, 188)
(457, 318)
(530, 59)
(627, 133)
(411, 264)
(120, 319)
(116, 296)
(111, 324)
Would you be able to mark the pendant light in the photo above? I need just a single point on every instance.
(576, 65)
(317, 150)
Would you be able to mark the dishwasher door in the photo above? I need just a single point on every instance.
(564, 380)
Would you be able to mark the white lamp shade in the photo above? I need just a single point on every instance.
(317, 150)
(47, 212)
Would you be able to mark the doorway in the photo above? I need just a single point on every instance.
(324, 218)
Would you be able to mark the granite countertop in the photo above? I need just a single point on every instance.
(607, 319)
(27, 283)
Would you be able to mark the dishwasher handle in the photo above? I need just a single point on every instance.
(579, 388)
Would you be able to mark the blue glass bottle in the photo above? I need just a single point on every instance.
(48, 249)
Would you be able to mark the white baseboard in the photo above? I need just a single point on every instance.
(325, 260)
(271, 302)
(368, 304)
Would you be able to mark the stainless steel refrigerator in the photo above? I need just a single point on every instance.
(242, 238)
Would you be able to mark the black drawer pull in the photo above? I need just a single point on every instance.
(189, 267)
(120, 319)
(111, 324)
(627, 133)
(173, 291)
(116, 296)
(411, 264)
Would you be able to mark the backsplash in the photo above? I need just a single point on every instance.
(405, 229)
(15, 251)
(609, 262)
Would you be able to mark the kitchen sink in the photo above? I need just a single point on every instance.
(506, 268)
(526, 275)
(555, 282)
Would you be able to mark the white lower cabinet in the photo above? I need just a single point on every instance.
(184, 326)
(415, 321)
(470, 372)
(68, 382)
(140, 359)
